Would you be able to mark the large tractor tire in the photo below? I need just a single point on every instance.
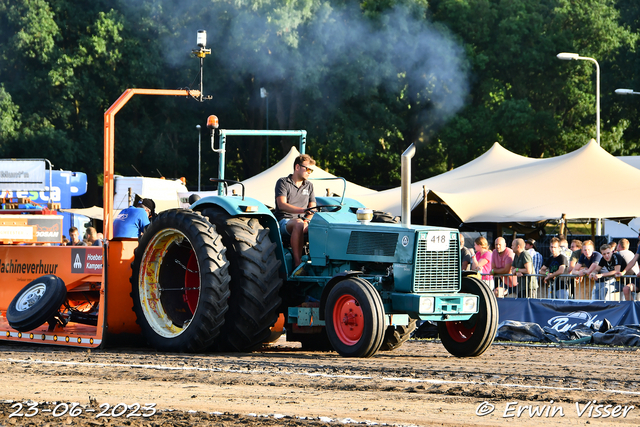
(180, 282)
(472, 337)
(354, 317)
(36, 303)
(395, 336)
(255, 281)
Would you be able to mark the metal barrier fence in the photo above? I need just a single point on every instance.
(567, 286)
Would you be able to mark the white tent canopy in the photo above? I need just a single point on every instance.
(631, 160)
(500, 186)
(465, 176)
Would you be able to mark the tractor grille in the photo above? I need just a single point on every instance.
(437, 270)
(376, 244)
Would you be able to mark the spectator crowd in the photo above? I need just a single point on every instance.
(577, 271)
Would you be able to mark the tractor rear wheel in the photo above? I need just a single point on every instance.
(395, 336)
(255, 281)
(180, 282)
(36, 303)
(472, 337)
(354, 317)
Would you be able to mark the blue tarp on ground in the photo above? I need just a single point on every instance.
(567, 321)
(564, 315)
(598, 322)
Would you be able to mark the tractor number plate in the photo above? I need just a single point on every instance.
(437, 240)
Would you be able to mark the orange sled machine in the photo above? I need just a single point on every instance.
(68, 295)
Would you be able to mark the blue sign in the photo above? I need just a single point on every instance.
(64, 186)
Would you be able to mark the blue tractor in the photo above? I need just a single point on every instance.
(218, 275)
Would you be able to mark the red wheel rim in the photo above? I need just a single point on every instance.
(192, 283)
(459, 332)
(348, 321)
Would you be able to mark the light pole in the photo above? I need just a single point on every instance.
(574, 56)
(199, 150)
(626, 92)
(265, 94)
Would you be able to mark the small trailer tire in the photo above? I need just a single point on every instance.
(36, 303)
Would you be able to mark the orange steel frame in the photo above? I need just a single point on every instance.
(111, 285)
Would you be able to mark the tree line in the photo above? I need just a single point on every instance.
(364, 78)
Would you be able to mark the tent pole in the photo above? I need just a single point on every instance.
(424, 204)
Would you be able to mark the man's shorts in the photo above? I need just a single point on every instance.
(283, 227)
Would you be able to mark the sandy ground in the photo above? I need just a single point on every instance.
(417, 384)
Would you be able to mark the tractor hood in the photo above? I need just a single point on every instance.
(339, 236)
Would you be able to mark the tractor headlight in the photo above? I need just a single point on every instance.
(469, 304)
(426, 305)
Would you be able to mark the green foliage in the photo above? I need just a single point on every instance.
(366, 79)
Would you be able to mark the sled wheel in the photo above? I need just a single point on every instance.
(354, 317)
(384, 217)
(180, 282)
(472, 337)
(395, 336)
(36, 303)
(255, 281)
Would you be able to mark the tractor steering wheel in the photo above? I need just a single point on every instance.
(318, 207)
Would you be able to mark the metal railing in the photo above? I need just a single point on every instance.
(567, 286)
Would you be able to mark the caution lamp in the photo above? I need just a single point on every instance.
(212, 122)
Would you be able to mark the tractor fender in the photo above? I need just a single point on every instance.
(247, 207)
(331, 283)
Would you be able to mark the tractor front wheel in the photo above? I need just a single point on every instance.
(472, 337)
(354, 317)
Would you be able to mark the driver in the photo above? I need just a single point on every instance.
(294, 196)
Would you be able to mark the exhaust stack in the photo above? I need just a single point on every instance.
(406, 184)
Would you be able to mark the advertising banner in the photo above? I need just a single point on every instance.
(64, 186)
(22, 174)
(31, 229)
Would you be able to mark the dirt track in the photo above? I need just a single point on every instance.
(418, 384)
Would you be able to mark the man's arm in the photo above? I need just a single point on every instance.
(593, 268)
(596, 275)
(576, 268)
(629, 266)
(281, 203)
(503, 270)
(528, 269)
(308, 215)
(557, 273)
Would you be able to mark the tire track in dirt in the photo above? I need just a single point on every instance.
(417, 384)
